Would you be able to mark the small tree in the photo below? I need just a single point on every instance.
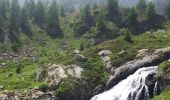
(18, 69)
(81, 47)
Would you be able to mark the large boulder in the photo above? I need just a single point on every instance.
(129, 68)
(54, 73)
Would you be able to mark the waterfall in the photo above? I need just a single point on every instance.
(132, 88)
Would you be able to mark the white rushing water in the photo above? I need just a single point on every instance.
(130, 88)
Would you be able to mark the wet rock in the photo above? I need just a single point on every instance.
(130, 67)
(150, 83)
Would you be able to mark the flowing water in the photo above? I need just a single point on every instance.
(132, 88)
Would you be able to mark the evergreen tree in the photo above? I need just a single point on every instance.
(100, 23)
(39, 14)
(87, 18)
(24, 25)
(29, 7)
(112, 10)
(131, 19)
(14, 16)
(150, 13)
(141, 9)
(62, 11)
(4, 8)
(53, 27)
(167, 10)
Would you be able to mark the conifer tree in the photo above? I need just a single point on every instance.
(141, 9)
(14, 16)
(167, 10)
(39, 14)
(29, 7)
(53, 27)
(112, 10)
(24, 25)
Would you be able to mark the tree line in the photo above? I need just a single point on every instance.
(137, 19)
(14, 18)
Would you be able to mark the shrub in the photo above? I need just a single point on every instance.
(163, 67)
(43, 87)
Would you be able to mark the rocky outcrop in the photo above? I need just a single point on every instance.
(150, 59)
(54, 73)
(104, 55)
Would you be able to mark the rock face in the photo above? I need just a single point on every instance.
(152, 58)
(54, 73)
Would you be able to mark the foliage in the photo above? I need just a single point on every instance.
(163, 67)
(43, 87)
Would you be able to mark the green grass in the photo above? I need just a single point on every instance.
(165, 95)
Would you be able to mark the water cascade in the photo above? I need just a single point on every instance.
(132, 88)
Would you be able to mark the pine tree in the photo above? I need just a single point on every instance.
(112, 10)
(39, 14)
(86, 17)
(29, 7)
(62, 11)
(24, 25)
(150, 12)
(131, 19)
(167, 10)
(4, 4)
(53, 27)
(141, 9)
(14, 16)
(100, 23)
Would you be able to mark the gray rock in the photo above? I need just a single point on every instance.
(80, 57)
(104, 53)
(3, 64)
(76, 51)
(130, 67)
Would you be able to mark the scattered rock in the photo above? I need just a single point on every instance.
(161, 31)
(80, 57)
(104, 53)
(121, 52)
(76, 51)
(3, 64)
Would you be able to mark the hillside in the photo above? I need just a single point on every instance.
(50, 53)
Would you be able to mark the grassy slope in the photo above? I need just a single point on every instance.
(47, 54)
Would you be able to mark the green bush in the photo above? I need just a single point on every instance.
(163, 67)
(43, 87)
